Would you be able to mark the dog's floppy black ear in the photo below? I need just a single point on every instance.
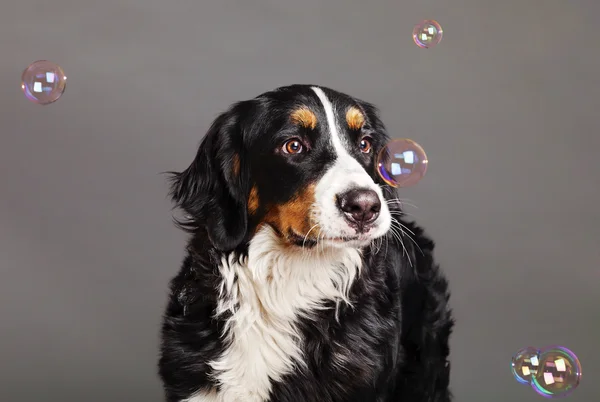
(212, 191)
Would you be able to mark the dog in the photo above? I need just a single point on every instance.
(302, 281)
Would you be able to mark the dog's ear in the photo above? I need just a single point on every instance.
(212, 191)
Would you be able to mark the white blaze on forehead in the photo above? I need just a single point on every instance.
(344, 161)
(336, 140)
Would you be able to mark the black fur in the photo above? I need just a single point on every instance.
(394, 342)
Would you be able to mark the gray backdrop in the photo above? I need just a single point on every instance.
(505, 106)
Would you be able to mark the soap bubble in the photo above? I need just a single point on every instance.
(525, 364)
(558, 374)
(43, 82)
(427, 33)
(402, 163)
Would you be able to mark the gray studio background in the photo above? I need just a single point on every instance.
(506, 107)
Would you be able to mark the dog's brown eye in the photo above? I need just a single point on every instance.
(293, 147)
(365, 145)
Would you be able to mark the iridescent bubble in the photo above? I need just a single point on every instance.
(427, 34)
(525, 364)
(558, 374)
(43, 82)
(402, 163)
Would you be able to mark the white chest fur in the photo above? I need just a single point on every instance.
(266, 293)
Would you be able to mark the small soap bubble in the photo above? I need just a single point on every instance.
(427, 34)
(558, 374)
(525, 364)
(402, 163)
(43, 82)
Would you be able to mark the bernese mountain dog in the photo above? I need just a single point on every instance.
(302, 281)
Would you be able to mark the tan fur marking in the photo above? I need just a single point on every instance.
(294, 215)
(253, 200)
(304, 117)
(355, 118)
(236, 165)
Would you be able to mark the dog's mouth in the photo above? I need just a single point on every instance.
(305, 241)
(343, 239)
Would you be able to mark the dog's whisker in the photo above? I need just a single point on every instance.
(379, 243)
(416, 244)
(402, 213)
(401, 202)
(321, 238)
(410, 237)
(404, 226)
(395, 234)
(401, 241)
(306, 236)
(386, 249)
(375, 246)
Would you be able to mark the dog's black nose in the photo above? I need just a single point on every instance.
(360, 206)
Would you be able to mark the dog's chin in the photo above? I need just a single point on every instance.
(348, 242)
(335, 240)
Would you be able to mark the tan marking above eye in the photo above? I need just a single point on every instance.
(304, 117)
(355, 118)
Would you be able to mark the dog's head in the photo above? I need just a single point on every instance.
(301, 159)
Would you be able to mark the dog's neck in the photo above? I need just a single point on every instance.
(286, 279)
(262, 297)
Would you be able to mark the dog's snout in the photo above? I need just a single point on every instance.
(361, 206)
